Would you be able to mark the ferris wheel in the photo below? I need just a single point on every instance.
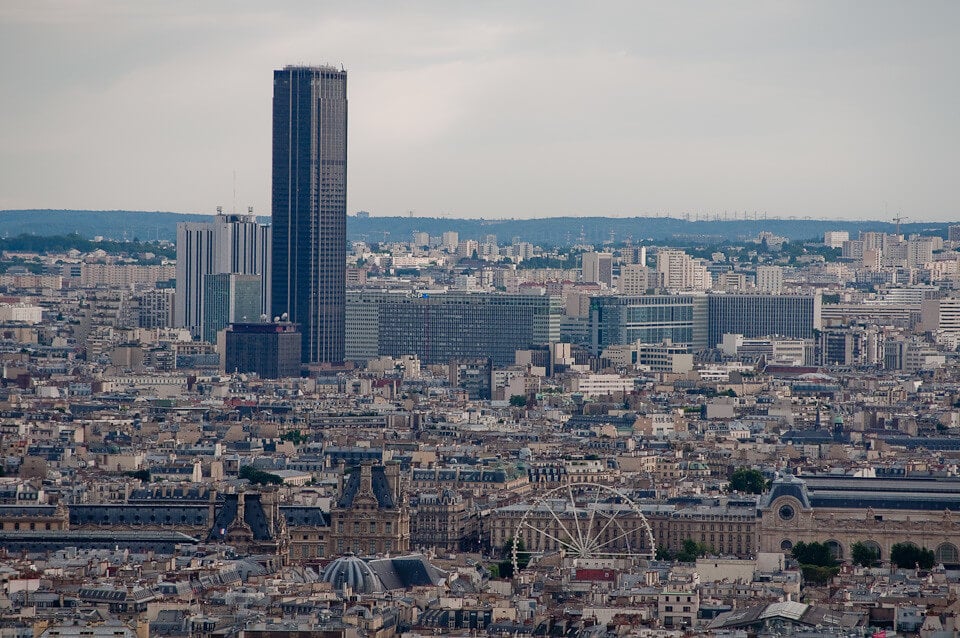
(583, 520)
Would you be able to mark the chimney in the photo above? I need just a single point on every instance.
(366, 477)
(392, 470)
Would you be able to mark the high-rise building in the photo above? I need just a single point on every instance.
(634, 279)
(770, 279)
(835, 238)
(679, 271)
(598, 268)
(228, 244)
(310, 206)
(230, 298)
(155, 308)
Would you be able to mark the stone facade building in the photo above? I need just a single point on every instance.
(371, 515)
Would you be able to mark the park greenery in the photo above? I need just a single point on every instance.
(259, 477)
(689, 552)
(864, 555)
(817, 562)
(908, 555)
(747, 481)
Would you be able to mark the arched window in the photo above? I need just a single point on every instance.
(947, 554)
(835, 548)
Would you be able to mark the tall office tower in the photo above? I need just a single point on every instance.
(310, 206)
(230, 298)
(228, 244)
(598, 268)
(770, 279)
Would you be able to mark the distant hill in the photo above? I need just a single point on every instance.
(553, 231)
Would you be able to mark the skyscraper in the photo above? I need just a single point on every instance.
(229, 298)
(310, 206)
(231, 243)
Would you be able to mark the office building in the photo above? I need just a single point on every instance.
(228, 244)
(440, 327)
(597, 268)
(794, 316)
(271, 350)
(310, 206)
(230, 298)
(616, 320)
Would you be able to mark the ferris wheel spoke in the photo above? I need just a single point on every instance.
(576, 517)
(560, 523)
(610, 519)
(623, 534)
(593, 511)
(550, 536)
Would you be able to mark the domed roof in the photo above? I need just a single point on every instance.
(353, 571)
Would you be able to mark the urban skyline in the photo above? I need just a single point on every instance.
(428, 428)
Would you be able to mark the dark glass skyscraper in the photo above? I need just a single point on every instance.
(310, 206)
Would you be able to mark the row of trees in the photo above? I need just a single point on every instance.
(819, 564)
(903, 555)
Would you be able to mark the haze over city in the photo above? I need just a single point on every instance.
(493, 110)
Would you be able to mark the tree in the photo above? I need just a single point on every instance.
(259, 477)
(143, 475)
(817, 554)
(691, 551)
(907, 555)
(816, 562)
(294, 436)
(747, 481)
(864, 554)
(664, 553)
(505, 567)
(518, 401)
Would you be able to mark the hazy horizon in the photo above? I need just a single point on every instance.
(496, 110)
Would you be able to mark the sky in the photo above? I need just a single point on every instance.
(820, 108)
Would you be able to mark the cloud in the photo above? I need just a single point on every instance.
(491, 109)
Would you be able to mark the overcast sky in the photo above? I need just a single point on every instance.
(493, 109)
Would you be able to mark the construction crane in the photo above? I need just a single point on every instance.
(899, 219)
